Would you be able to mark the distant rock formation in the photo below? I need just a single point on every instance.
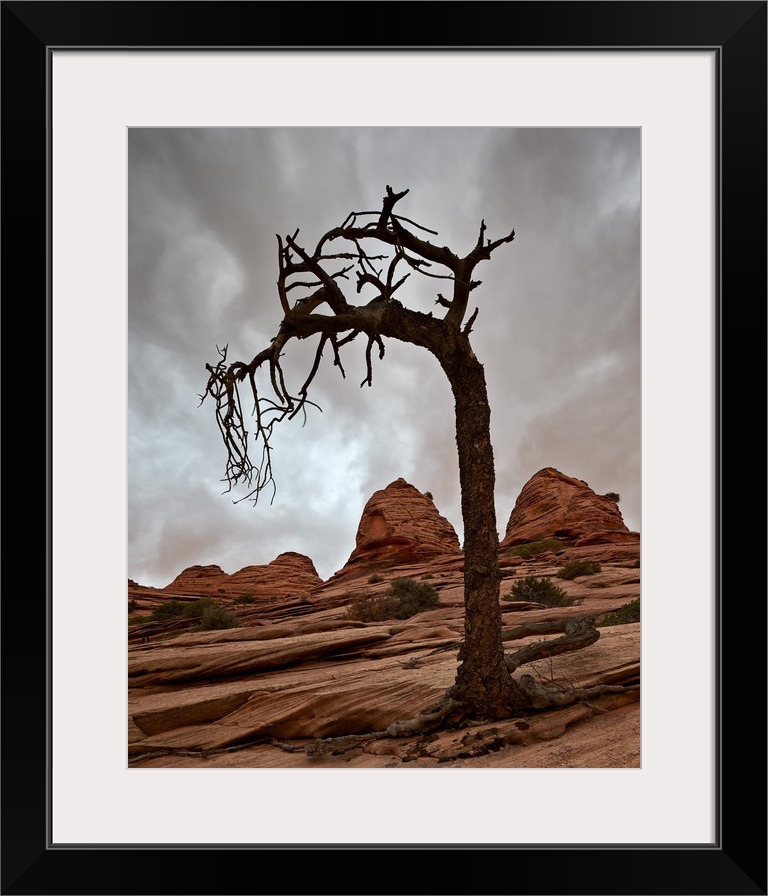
(552, 505)
(198, 578)
(400, 525)
(289, 573)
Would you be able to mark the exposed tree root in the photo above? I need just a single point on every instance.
(343, 744)
(547, 695)
(480, 740)
(450, 715)
(579, 633)
(426, 721)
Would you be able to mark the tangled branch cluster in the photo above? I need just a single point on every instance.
(320, 272)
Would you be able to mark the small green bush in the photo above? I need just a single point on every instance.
(404, 598)
(539, 590)
(135, 620)
(170, 609)
(574, 568)
(374, 580)
(198, 608)
(217, 617)
(133, 605)
(429, 495)
(535, 547)
(614, 496)
(427, 575)
(246, 599)
(628, 613)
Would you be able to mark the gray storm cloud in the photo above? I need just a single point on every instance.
(558, 329)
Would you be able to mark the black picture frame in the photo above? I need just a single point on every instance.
(736, 862)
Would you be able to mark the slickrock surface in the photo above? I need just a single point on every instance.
(552, 505)
(254, 696)
(289, 573)
(400, 525)
(298, 669)
(265, 720)
(610, 740)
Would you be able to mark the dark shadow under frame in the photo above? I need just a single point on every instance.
(736, 864)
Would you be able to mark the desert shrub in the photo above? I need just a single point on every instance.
(540, 590)
(169, 609)
(574, 568)
(246, 599)
(367, 608)
(197, 608)
(135, 620)
(429, 495)
(427, 575)
(535, 547)
(374, 580)
(408, 590)
(614, 496)
(216, 617)
(133, 605)
(628, 613)
(404, 598)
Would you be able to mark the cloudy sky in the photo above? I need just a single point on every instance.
(558, 329)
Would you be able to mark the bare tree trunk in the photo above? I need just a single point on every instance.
(483, 683)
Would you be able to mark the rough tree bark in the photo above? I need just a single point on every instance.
(482, 680)
(484, 687)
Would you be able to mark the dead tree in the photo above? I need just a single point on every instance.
(484, 686)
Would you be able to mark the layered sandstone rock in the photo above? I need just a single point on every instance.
(289, 573)
(210, 692)
(198, 578)
(400, 525)
(552, 505)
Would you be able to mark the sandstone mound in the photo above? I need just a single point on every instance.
(289, 573)
(400, 526)
(552, 505)
(198, 578)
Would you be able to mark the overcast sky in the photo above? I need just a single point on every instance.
(558, 329)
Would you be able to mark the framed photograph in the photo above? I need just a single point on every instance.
(89, 89)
